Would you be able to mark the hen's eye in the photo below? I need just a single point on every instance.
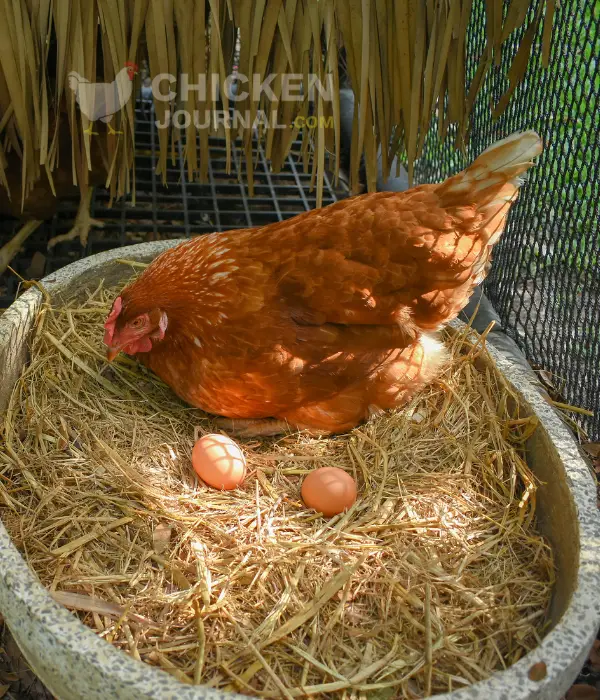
(136, 323)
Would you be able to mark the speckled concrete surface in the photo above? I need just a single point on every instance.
(74, 663)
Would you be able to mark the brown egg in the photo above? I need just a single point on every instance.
(219, 462)
(329, 490)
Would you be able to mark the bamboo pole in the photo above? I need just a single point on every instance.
(10, 249)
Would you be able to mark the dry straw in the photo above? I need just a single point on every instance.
(434, 579)
(405, 60)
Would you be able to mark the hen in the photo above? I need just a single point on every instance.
(103, 100)
(320, 321)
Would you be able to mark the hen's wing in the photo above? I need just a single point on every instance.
(96, 100)
(343, 280)
(103, 100)
(89, 99)
(113, 98)
(400, 260)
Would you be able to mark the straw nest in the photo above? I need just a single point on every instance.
(433, 580)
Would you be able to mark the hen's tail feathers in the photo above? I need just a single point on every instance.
(492, 181)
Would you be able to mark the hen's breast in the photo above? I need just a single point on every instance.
(229, 384)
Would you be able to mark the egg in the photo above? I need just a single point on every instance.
(329, 490)
(219, 461)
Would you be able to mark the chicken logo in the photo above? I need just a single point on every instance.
(102, 100)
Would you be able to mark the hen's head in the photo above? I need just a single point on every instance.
(132, 330)
(132, 69)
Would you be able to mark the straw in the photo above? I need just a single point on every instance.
(436, 577)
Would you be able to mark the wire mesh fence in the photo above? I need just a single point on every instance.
(545, 279)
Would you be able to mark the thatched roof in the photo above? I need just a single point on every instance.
(405, 60)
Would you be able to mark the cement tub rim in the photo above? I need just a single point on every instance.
(106, 671)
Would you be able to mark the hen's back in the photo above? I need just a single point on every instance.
(376, 258)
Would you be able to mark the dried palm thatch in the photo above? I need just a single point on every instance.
(405, 60)
(434, 579)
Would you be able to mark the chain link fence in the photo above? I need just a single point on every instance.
(545, 278)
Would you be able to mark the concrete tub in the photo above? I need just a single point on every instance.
(74, 663)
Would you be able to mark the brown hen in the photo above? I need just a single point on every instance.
(322, 320)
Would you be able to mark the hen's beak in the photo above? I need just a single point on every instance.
(111, 353)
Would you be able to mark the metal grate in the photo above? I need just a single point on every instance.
(545, 278)
(179, 209)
